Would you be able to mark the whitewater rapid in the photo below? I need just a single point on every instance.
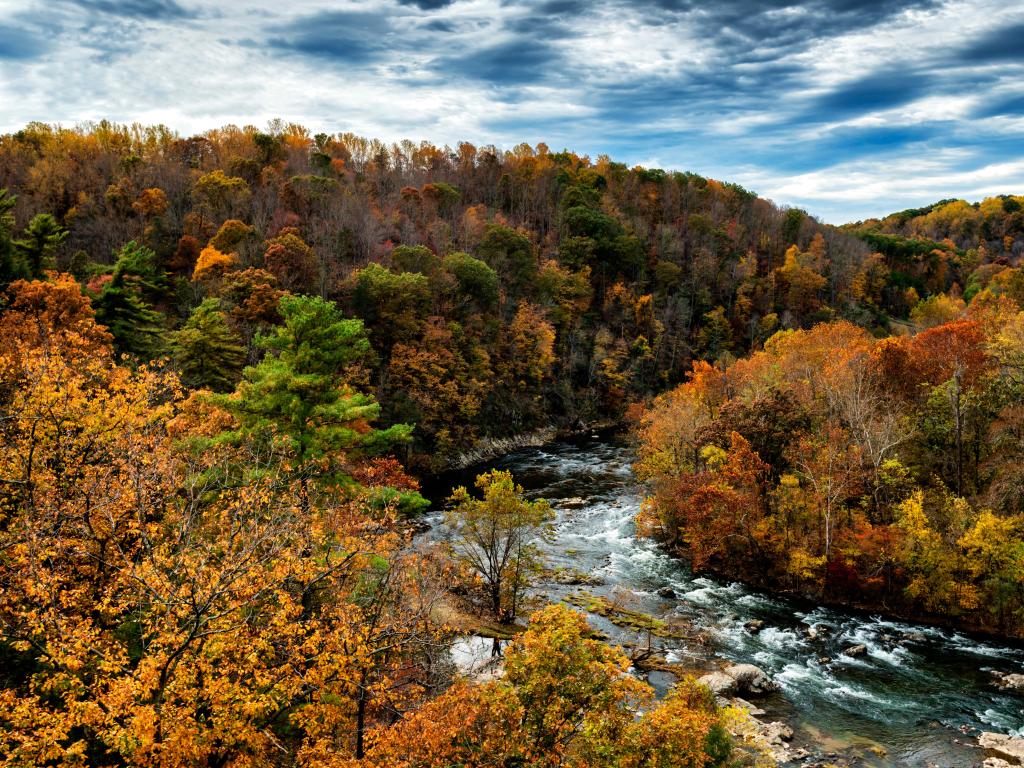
(921, 693)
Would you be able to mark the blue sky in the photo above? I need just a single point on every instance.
(847, 108)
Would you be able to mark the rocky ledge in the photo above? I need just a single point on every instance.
(739, 679)
(1002, 751)
(1008, 681)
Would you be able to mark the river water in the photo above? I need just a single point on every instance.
(921, 693)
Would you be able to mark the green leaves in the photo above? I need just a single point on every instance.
(496, 536)
(123, 303)
(206, 351)
(295, 403)
(38, 243)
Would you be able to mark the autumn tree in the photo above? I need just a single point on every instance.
(510, 254)
(393, 306)
(291, 260)
(829, 465)
(219, 195)
(231, 235)
(496, 536)
(234, 626)
(565, 700)
(436, 383)
(11, 265)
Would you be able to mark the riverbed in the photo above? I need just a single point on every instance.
(920, 693)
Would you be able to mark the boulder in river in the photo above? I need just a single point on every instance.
(751, 709)
(1008, 748)
(573, 502)
(751, 680)
(753, 626)
(855, 650)
(815, 631)
(667, 592)
(1009, 681)
(719, 683)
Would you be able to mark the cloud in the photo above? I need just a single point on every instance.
(427, 5)
(155, 10)
(20, 44)
(833, 105)
(515, 62)
(1000, 45)
(347, 37)
(1006, 105)
(875, 92)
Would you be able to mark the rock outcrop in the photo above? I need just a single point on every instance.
(1009, 749)
(719, 683)
(751, 680)
(1009, 681)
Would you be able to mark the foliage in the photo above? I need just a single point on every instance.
(150, 616)
(207, 351)
(496, 536)
(564, 701)
(295, 404)
(881, 472)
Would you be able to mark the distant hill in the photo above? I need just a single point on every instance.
(997, 223)
(511, 287)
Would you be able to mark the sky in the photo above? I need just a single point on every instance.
(846, 108)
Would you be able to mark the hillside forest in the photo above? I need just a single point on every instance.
(225, 361)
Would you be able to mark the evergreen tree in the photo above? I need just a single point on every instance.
(207, 352)
(295, 404)
(12, 267)
(38, 243)
(122, 305)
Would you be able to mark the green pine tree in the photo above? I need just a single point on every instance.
(294, 403)
(207, 352)
(38, 243)
(12, 266)
(123, 304)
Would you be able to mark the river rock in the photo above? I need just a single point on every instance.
(768, 739)
(823, 660)
(753, 626)
(855, 650)
(777, 732)
(573, 502)
(719, 683)
(667, 592)
(1008, 748)
(1009, 681)
(751, 680)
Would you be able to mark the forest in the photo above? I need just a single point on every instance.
(227, 361)
(867, 468)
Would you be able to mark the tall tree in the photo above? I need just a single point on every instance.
(295, 402)
(39, 242)
(123, 304)
(207, 352)
(497, 535)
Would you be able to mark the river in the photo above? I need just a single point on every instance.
(920, 692)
